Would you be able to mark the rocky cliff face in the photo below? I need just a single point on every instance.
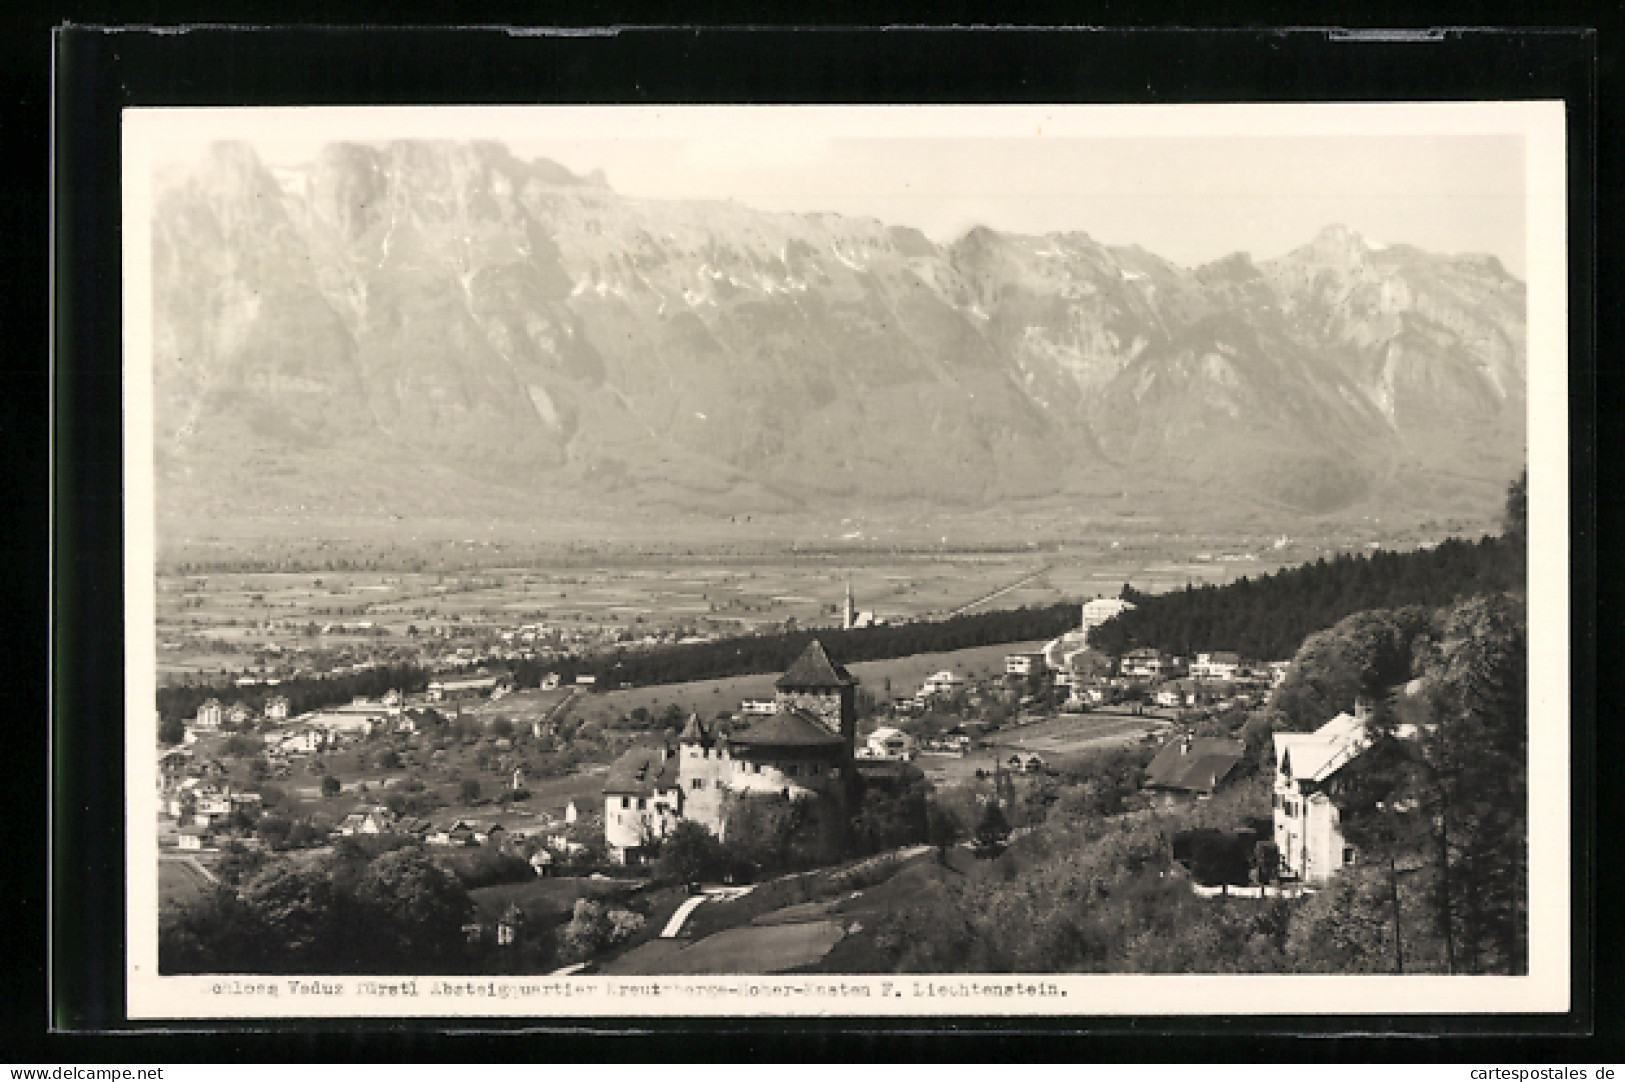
(398, 327)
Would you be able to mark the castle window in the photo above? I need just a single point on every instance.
(626, 802)
(642, 804)
(719, 783)
(756, 768)
(698, 783)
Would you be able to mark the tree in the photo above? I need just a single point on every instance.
(1346, 928)
(1476, 748)
(171, 730)
(331, 785)
(1380, 799)
(1515, 519)
(414, 910)
(994, 829)
(468, 791)
(1362, 655)
(689, 854)
(299, 908)
(594, 927)
(273, 832)
(943, 829)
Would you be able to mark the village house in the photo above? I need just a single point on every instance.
(209, 715)
(945, 682)
(1024, 664)
(373, 820)
(239, 715)
(887, 742)
(1193, 766)
(211, 807)
(454, 831)
(758, 707)
(451, 689)
(1308, 830)
(1145, 663)
(805, 748)
(173, 765)
(1221, 665)
(194, 838)
(276, 708)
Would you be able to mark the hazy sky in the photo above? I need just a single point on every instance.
(1190, 185)
(1189, 200)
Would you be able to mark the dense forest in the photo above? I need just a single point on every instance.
(1269, 617)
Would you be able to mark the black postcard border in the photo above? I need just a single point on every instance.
(101, 70)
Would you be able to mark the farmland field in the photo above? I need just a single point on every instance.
(229, 621)
(1054, 739)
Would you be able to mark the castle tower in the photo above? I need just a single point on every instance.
(818, 686)
(704, 773)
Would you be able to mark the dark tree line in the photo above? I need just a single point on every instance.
(1268, 617)
(775, 652)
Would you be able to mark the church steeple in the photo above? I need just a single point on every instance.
(850, 613)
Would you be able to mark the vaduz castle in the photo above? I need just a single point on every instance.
(803, 749)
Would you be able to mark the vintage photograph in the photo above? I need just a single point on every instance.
(886, 560)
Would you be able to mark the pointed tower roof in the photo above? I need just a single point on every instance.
(814, 669)
(695, 731)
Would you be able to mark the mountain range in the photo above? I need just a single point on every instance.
(420, 329)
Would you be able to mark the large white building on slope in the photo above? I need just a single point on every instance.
(1308, 831)
(1058, 653)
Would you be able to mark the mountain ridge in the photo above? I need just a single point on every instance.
(526, 328)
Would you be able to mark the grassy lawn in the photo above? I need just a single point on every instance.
(704, 697)
(786, 924)
(557, 895)
(907, 673)
(864, 915)
(752, 949)
(180, 883)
